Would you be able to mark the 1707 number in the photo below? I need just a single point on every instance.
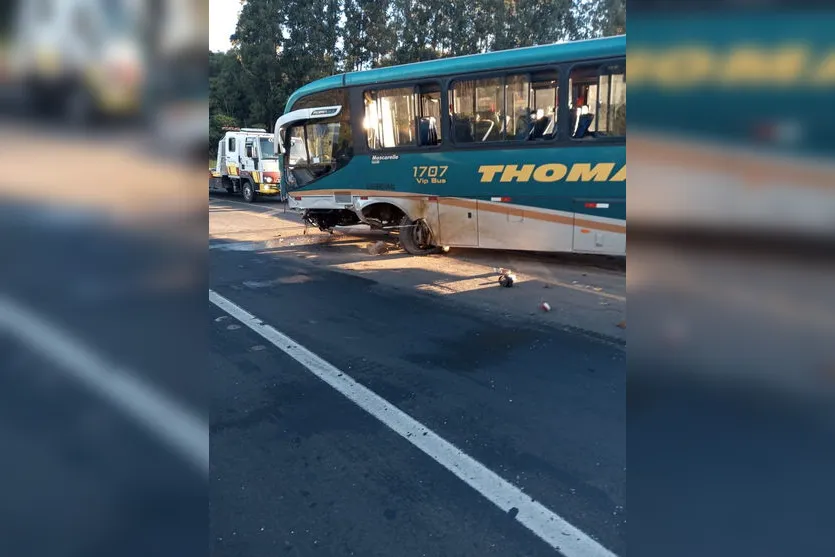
(430, 174)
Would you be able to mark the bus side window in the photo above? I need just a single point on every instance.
(544, 95)
(371, 123)
(477, 111)
(460, 116)
(390, 118)
(597, 99)
(612, 101)
(516, 107)
(429, 115)
(518, 117)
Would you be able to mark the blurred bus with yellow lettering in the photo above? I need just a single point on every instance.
(731, 122)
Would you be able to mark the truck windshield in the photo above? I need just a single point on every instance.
(267, 148)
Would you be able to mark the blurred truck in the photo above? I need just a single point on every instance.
(85, 61)
(79, 59)
(178, 92)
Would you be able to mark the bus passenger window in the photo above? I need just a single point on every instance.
(516, 107)
(597, 99)
(518, 116)
(371, 121)
(429, 117)
(477, 114)
(390, 118)
(544, 95)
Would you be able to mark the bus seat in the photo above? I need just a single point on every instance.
(540, 127)
(462, 130)
(484, 130)
(551, 127)
(424, 132)
(583, 124)
(433, 131)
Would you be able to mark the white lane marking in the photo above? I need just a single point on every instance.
(550, 527)
(162, 417)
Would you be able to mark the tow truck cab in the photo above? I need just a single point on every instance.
(247, 163)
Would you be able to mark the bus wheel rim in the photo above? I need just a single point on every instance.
(421, 234)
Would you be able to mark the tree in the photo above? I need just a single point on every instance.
(599, 18)
(281, 45)
(257, 43)
(216, 124)
(367, 36)
(227, 95)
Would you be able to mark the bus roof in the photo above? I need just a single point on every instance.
(517, 57)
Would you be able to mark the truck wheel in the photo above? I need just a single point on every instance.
(416, 237)
(248, 192)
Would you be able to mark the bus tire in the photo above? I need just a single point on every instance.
(415, 237)
(248, 192)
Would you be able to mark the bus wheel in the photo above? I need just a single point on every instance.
(248, 192)
(416, 237)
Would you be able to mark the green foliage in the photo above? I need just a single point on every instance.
(216, 124)
(280, 45)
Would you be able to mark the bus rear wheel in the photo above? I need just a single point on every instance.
(416, 237)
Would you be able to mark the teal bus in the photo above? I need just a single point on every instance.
(731, 111)
(523, 149)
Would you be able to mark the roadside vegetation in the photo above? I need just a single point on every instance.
(280, 45)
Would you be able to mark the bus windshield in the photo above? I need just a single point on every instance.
(324, 143)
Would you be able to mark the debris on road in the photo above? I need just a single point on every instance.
(377, 248)
(545, 306)
(622, 324)
(506, 277)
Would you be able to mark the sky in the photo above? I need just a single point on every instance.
(223, 16)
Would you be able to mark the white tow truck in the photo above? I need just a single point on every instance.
(247, 164)
(79, 58)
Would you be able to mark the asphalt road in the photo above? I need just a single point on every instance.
(298, 469)
(79, 476)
